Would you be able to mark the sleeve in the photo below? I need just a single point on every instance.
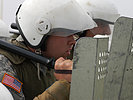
(58, 91)
(9, 79)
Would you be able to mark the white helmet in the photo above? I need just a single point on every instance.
(38, 18)
(100, 9)
(4, 32)
(5, 93)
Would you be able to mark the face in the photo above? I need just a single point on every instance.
(59, 46)
(102, 29)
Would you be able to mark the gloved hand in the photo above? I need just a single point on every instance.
(63, 69)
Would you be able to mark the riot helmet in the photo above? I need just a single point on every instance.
(100, 9)
(5, 93)
(104, 13)
(36, 19)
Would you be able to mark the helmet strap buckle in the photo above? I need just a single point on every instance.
(38, 51)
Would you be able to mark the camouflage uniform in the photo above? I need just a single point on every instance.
(35, 80)
(6, 67)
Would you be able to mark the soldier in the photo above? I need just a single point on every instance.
(104, 13)
(47, 28)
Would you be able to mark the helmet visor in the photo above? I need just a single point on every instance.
(103, 28)
(62, 32)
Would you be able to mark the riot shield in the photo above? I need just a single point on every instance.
(119, 81)
(89, 69)
(93, 78)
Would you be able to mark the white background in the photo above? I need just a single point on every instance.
(9, 10)
(125, 8)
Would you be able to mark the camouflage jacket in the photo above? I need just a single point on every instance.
(34, 79)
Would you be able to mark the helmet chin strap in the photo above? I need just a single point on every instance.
(37, 51)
